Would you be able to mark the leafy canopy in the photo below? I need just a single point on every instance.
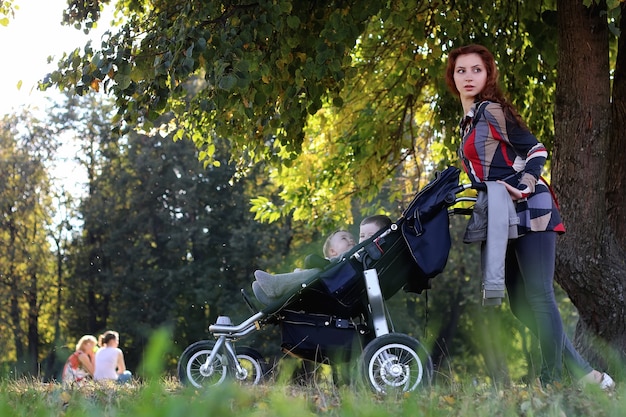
(340, 97)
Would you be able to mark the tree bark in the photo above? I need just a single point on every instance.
(590, 261)
(32, 359)
(616, 172)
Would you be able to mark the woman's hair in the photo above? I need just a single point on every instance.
(85, 339)
(492, 90)
(107, 336)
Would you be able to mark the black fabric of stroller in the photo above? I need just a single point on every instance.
(426, 227)
(407, 255)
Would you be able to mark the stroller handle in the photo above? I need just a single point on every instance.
(479, 186)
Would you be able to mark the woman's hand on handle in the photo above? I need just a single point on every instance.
(513, 192)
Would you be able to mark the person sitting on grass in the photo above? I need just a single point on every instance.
(79, 367)
(110, 365)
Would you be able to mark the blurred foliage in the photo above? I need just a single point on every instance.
(7, 12)
(27, 284)
(335, 96)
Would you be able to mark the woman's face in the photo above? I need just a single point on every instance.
(470, 75)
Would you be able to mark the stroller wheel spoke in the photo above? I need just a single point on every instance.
(253, 367)
(195, 369)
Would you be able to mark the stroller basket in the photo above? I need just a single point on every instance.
(318, 336)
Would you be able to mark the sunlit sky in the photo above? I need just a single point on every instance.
(34, 34)
(31, 36)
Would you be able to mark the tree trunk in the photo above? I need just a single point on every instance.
(32, 359)
(616, 174)
(15, 322)
(590, 262)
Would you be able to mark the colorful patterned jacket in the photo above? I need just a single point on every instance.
(495, 147)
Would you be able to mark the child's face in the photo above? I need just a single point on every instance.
(367, 230)
(339, 243)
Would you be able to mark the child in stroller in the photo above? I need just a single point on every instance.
(340, 310)
(269, 288)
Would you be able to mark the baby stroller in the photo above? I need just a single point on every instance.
(341, 311)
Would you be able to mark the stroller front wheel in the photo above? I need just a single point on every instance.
(395, 362)
(193, 367)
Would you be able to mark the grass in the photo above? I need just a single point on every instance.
(278, 398)
(317, 396)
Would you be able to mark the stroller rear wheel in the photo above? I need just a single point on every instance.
(395, 362)
(193, 367)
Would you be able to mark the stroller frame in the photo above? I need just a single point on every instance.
(389, 361)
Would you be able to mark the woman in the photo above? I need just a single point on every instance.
(79, 367)
(110, 363)
(497, 146)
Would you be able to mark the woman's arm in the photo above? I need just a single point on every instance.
(525, 145)
(121, 365)
(535, 157)
(86, 362)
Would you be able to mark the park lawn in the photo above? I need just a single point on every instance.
(167, 398)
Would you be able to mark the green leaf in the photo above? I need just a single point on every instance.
(227, 82)
(260, 99)
(293, 22)
(188, 64)
(123, 80)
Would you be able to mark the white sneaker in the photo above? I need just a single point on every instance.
(607, 383)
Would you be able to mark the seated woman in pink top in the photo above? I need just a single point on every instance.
(79, 367)
(110, 363)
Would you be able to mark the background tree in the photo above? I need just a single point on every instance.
(60, 233)
(589, 155)
(165, 241)
(26, 265)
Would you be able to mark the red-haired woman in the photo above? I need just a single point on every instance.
(497, 146)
